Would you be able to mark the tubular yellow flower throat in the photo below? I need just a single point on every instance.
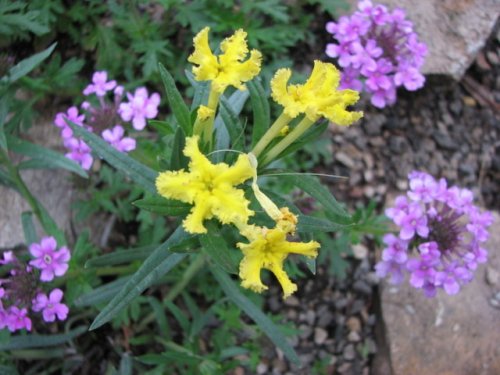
(316, 98)
(268, 249)
(209, 187)
(227, 69)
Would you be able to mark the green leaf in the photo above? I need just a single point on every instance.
(27, 65)
(126, 366)
(49, 158)
(6, 180)
(265, 324)
(178, 160)
(233, 126)
(102, 294)
(333, 210)
(120, 257)
(163, 206)
(140, 173)
(155, 266)
(201, 90)
(236, 101)
(261, 111)
(177, 104)
(163, 127)
(40, 341)
(214, 244)
(161, 319)
(29, 228)
(317, 224)
(4, 109)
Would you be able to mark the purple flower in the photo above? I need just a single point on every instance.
(15, 319)
(410, 78)
(48, 260)
(350, 80)
(73, 116)
(8, 257)
(51, 306)
(445, 231)
(115, 138)
(79, 152)
(381, 47)
(140, 107)
(379, 78)
(99, 86)
(396, 249)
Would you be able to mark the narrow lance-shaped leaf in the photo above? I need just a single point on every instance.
(216, 247)
(49, 158)
(236, 101)
(265, 324)
(177, 104)
(155, 266)
(315, 189)
(27, 65)
(261, 112)
(29, 228)
(40, 341)
(140, 173)
(163, 206)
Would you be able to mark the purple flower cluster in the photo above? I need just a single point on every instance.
(380, 48)
(105, 117)
(21, 289)
(440, 238)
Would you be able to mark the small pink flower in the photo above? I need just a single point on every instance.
(16, 319)
(80, 152)
(115, 138)
(48, 260)
(8, 257)
(73, 116)
(51, 306)
(139, 108)
(99, 86)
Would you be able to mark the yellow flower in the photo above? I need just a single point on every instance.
(227, 69)
(316, 98)
(204, 113)
(268, 249)
(209, 187)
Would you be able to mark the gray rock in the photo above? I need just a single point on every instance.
(52, 188)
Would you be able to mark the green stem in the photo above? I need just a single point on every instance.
(213, 102)
(271, 133)
(188, 275)
(305, 124)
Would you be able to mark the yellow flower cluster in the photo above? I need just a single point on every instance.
(213, 190)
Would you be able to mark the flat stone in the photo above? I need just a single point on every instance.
(454, 30)
(50, 186)
(446, 334)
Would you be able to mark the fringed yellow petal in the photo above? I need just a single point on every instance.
(240, 171)
(202, 56)
(234, 48)
(286, 284)
(193, 223)
(230, 205)
(177, 185)
(250, 267)
(210, 187)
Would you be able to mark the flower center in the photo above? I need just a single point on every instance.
(47, 259)
(445, 232)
